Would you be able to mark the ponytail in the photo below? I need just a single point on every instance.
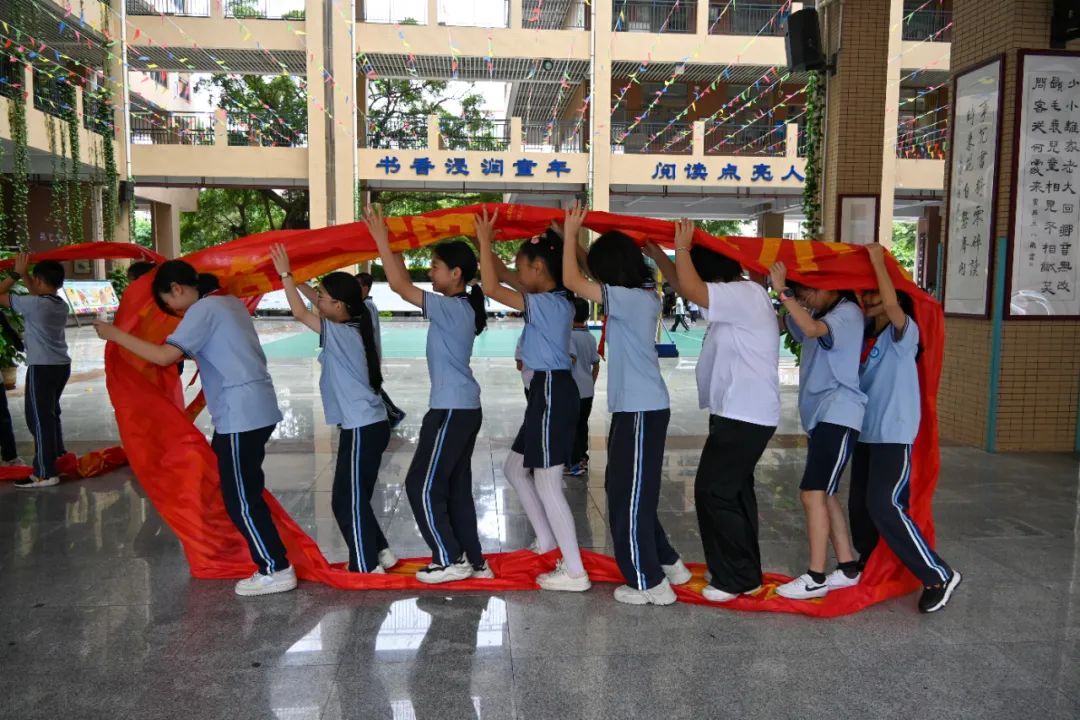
(346, 289)
(479, 306)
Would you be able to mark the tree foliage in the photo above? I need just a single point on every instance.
(903, 244)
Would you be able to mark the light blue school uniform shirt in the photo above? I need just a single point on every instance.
(890, 380)
(449, 349)
(634, 381)
(218, 334)
(45, 317)
(347, 396)
(829, 369)
(549, 319)
(583, 350)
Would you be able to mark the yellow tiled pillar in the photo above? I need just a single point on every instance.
(600, 107)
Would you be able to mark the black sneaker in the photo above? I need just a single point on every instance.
(935, 598)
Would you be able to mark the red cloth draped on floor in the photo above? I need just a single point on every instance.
(178, 470)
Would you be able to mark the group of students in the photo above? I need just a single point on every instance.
(847, 387)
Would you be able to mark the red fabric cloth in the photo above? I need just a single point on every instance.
(178, 470)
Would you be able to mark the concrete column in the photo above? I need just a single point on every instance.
(516, 14)
(892, 116)
(770, 225)
(166, 224)
(343, 125)
(791, 140)
(698, 138)
(600, 109)
(433, 132)
(319, 178)
(855, 102)
(114, 79)
(702, 18)
(221, 128)
(432, 12)
(517, 139)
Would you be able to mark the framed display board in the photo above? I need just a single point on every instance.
(1042, 280)
(973, 170)
(857, 218)
(90, 297)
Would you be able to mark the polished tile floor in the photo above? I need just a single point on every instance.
(99, 618)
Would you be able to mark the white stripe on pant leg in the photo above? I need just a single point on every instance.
(546, 431)
(838, 468)
(245, 512)
(429, 514)
(357, 542)
(909, 524)
(635, 493)
(31, 385)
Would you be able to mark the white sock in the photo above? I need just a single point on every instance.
(522, 481)
(549, 485)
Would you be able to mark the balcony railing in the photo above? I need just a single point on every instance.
(12, 77)
(756, 139)
(926, 143)
(652, 138)
(540, 15)
(929, 24)
(728, 18)
(262, 130)
(264, 9)
(488, 135)
(192, 128)
(54, 96)
(396, 11)
(564, 136)
(475, 13)
(654, 16)
(97, 113)
(400, 132)
(189, 8)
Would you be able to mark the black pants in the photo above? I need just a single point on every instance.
(8, 450)
(680, 320)
(44, 385)
(360, 452)
(439, 485)
(240, 458)
(878, 504)
(581, 437)
(726, 503)
(635, 462)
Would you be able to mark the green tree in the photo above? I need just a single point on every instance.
(722, 227)
(903, 244)
(227, 213)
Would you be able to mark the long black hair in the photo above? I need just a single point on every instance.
(615, 259)
(169, 272)
(458, 254)
(346, 289)
(548, 247)
(713, 267)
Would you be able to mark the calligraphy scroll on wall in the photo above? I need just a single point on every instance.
(972, 189)
(1046, 211)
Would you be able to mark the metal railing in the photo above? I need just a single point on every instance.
(54, 95)
(563, 136)
(189, 8)
(928, 24)
(97, 113)
(262, 130)
(12, 77)
(475, 13)
(406, 12)
(486, 135)
(538, 15)
(189, 128)
(399, 132)
(654, 16)
(928, 143)
(263, 9)
(677, 139)
(746, 18)
(756, 139)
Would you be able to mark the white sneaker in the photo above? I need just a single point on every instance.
(708, 576)
(559, 579)
(34, 483)
(714, 594)
(259, 584)
(387, 559)
(483, 572)
(803, 588)
(661, 594)
(434, 574)
(14, 462)
(837, 579)
(677, 573)
(379, 570)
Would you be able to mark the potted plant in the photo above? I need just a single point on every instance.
(11, 345)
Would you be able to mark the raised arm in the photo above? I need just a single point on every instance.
(797, 314)
(296, 303)
(663, 262)
(308, 292)
(573, 279)
(691, 286)
(489, 264)
(163, 355)
(22, 261)
(393, 263)
(893, 311)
